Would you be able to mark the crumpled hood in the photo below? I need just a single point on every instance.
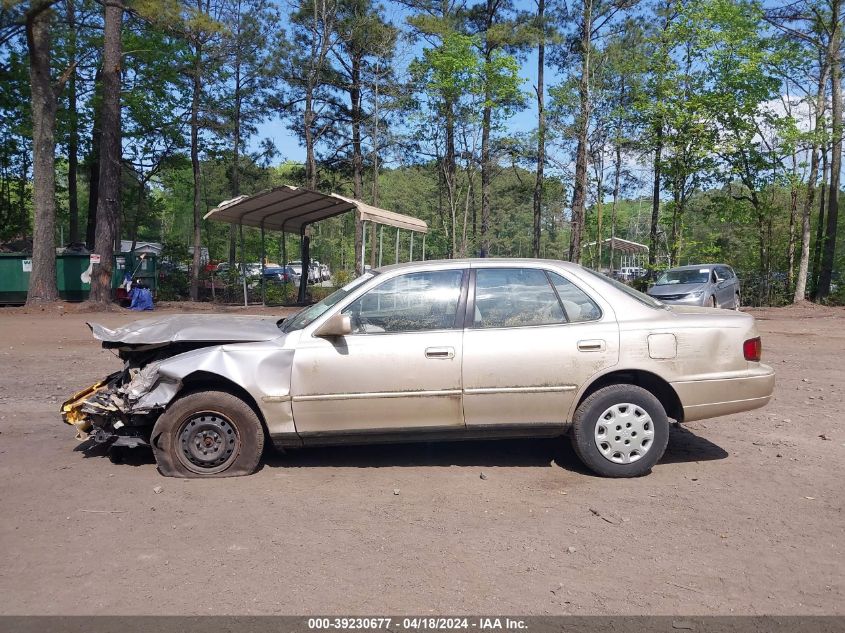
(199, 328)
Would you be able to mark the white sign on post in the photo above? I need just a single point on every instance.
(27, 265)
(95, 259)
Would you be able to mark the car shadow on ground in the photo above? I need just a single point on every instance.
(684, 446)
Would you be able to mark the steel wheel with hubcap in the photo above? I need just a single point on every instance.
(624, 433)
(208, 434)
(620, 431)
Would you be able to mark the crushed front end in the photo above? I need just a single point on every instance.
(121, 409)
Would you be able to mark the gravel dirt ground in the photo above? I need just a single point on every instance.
(744, 515)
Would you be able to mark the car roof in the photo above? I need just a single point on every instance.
(471, 262)
(696, 266)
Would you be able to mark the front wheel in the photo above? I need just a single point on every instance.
(620, 431)
(208, 434)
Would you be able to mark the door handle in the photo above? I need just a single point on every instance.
(593, 345)
(440, 352)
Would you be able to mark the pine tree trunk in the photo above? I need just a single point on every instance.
(655, 198)
(357, 156)
(579, 196)
(829, 245)
(804, 260)
(73, 134)
(820, 224)
(108, 203)
(236, 144)
(94, 164)
(42, 279)
(541, 124)
(195, 170)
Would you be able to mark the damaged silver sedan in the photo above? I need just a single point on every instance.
(427, 351)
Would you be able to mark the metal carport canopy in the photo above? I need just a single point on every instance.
(290, 209)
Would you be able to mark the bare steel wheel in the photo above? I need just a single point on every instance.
(208, 442)
(208, 434)
(624, 433)
(620, 431)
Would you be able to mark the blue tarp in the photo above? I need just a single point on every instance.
(141, 299)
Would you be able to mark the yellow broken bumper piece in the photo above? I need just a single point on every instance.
(72, 409)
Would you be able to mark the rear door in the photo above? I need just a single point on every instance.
(533, 337)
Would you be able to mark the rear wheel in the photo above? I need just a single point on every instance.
(620, 431)
(208, 434)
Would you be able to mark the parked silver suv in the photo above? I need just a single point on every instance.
(713, 285)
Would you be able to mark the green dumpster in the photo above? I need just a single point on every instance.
(14, 277)
(16, 267)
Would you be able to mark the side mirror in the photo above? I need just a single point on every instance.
(337, 325)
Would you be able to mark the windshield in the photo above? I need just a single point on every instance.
(686, 276)
(308, 315)
(651, 302)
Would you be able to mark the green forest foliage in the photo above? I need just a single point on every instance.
(719, 104)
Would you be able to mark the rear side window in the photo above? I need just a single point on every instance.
(514, 297)
(577, 305)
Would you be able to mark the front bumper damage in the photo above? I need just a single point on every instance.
(120, 409)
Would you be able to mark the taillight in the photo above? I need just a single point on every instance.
(752, 349)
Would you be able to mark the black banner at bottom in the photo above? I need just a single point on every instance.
(422, 624)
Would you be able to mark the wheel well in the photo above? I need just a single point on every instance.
(653, 383)
(200, 380)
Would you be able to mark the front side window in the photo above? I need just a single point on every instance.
(415, 302)
(307, 316)
(514, 297)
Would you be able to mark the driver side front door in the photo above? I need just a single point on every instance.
(399, 370)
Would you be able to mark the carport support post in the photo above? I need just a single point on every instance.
(411, 256)
(397, 244)
(285, 260)
(363, 245)
(305, 242)
(263, 257)
(423, 247)
(380, 242)
(243, 264)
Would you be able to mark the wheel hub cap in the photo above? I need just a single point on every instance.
(624, 433)
(208, 440)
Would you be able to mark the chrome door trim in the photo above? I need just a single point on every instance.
(378, 394)
(551, 388)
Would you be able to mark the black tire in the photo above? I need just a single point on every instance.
(588, 417)
(221, 422)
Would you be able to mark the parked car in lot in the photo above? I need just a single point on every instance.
(281, 274)
(252, 270)
(711, 285)
(438, 350)
(629, 273)
(297, 266)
